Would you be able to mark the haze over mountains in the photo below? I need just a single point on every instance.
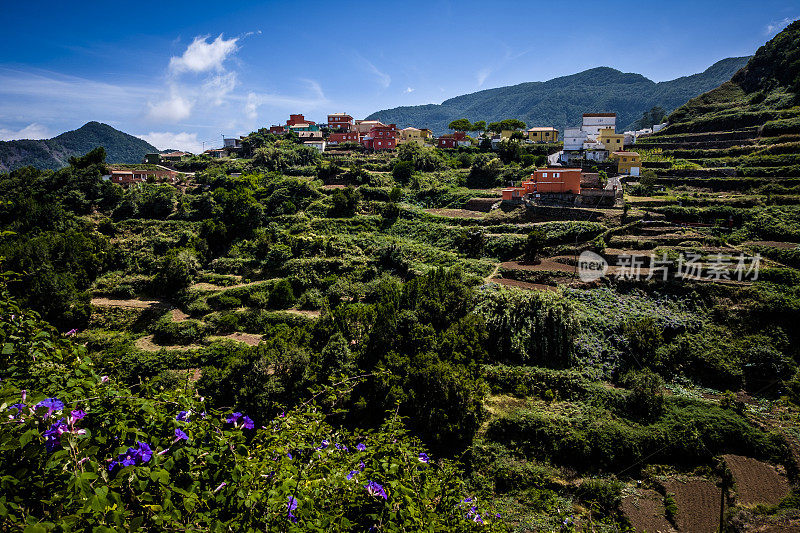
(560, 102)
(54, 153)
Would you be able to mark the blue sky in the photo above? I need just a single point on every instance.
(182, 74)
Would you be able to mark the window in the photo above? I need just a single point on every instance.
(544, 175)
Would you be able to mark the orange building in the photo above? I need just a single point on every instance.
(513, 193)
(554, 180)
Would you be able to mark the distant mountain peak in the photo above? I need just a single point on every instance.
(54, 153)
(561, 101)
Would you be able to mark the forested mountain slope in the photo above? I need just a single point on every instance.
(53, 153)
(561, 101)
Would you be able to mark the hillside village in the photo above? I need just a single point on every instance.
(576, 171)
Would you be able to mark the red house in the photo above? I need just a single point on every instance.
(381, 138)
(452, 140)
(277, 130)
(340, 121)
(339, 138)
(298, 119)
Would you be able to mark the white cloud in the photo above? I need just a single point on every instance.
(383, 79)
(202, 56)
(216, 88)
(775, 27)
(165, 140)
(31, 131)
(408, 90)
(211, 85)
(174, 108)
(482, 74)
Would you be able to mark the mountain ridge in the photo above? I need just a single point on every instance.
(55, 152)
(561, 101)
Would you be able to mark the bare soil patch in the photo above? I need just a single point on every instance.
(756, 481)
(698, 504)
(645, 511)
(455, 213)
(178, 315)
(305, 312)
(773, 244)
(548, 264)
(250, 339)
(131, 304)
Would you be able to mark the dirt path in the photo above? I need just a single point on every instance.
(488, 278)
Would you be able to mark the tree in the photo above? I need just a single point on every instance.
(479, 126)
(402, 171)
(281, 296)
(512, 124)
(176, 272)
(345, 202)
(461, 124)
(534, 244)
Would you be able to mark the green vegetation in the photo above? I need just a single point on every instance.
(391, 300)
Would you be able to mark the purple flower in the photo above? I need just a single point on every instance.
(340, 447)
(233, 418)
(76, 415)
(291, 505)
(477, 519)
(145, 453)
(19, 407)
(220, 487)
(133, 456)
(351, 474)
(375, 489)
(104, 379)
(423, 458)
(361, 465)
(71, 332)
(183, 416)
(247, 423)
(51, 404)
(52, 435)
(361, 446)
(180, 435)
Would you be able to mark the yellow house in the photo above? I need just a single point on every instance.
(543, 135)
(613, 142)
(411, 135)
(426, 133)
(506, 134)
(628, 162)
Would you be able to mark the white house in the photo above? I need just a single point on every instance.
(574, 138)
(594, 122)
(319, 144)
